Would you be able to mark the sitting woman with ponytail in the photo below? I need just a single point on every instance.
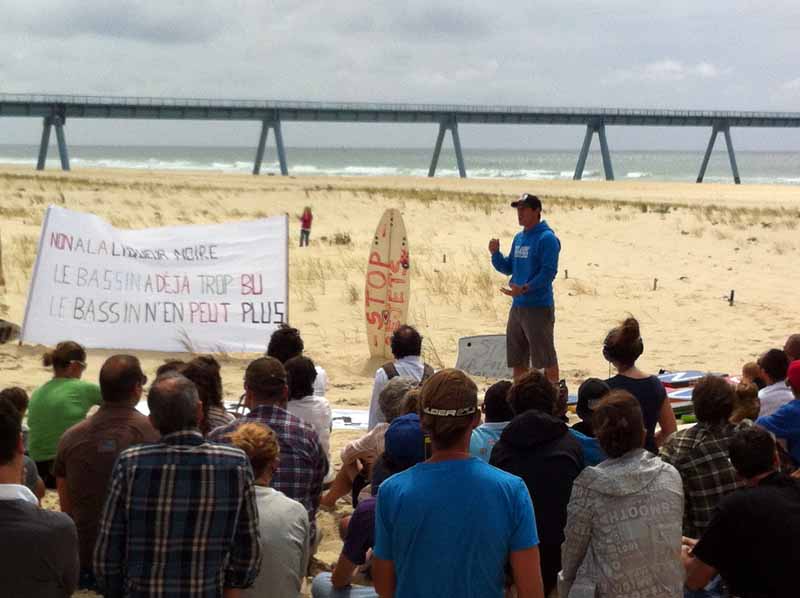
(623, 532)
(59, 404)
(622, 347)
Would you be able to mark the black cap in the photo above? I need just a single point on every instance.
(589, 394)
(526, 199)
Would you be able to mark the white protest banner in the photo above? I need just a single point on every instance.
(219, 287)
(483, 355)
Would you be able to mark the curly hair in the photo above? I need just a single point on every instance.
(260, 444)
(285, 343)
(204, 371)
(533, 391)
(392, 397)
(618, 423)
(713, 398)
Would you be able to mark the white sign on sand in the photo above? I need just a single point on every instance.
(220, 287)
(483, 355)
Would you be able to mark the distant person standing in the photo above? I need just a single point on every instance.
(305, 226)
(532, 263)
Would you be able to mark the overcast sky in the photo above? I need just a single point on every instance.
(712, 54)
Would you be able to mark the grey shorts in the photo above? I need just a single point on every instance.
(529, 337)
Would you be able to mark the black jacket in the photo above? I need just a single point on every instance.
(539, 448)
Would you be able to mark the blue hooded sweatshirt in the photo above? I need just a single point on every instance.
(532, 260)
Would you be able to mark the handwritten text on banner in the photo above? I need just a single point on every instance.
(219, 287)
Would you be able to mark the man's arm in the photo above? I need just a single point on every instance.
(527, 573)
(698, 574)
(244, 561)
(549, 248)
(63, 496)
(501, 263)
(109, 550)
(384, 577)
(780, 423)
(342, 575)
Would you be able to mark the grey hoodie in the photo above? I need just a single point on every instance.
(623, 533)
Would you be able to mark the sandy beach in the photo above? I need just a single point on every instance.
(698, 241)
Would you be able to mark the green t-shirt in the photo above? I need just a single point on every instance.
(54, 407)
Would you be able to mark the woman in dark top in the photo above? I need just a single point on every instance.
(622, 347)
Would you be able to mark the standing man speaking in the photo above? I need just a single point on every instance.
(532, 263)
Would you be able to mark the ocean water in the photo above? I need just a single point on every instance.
(754, 167)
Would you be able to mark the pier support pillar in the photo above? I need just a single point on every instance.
(451, 125)
(48, 123)
(715, 130)
(45, 143)
(591, 129)
(266, 125)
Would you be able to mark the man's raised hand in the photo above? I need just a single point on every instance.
(494, 245)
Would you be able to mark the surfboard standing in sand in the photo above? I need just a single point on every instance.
(388, 283)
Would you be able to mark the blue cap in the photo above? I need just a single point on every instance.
(403, 442)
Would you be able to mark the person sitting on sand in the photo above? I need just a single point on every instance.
(454, 538)
(303, 462)
(752, 539)
(792, 347)
(700, 453)
(590, 393)
(30, 474)
(497, 414)
(751, 374)
(537, 446)
(406, 346)
(623, 532)
(775, 394)
(286, 343)
(59, 404)
(88, 450)
(303, 403)
(180, 518)
(785, 422)
(204, 371)
(404, 448)
(39, 550)
(358, 456)
(282, 522)
(745, 403)
(622, 347)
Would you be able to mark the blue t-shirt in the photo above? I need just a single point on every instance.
(483, 439)
(785, 424)
(532, 260)
(449, 528)
(592, 453)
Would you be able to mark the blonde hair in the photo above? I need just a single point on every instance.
(260, 444)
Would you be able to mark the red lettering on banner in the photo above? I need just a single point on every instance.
(252, 284)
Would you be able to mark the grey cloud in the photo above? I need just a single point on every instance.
(148, 21)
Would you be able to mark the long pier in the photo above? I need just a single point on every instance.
(55, 110)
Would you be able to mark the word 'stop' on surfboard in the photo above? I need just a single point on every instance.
(388, 284)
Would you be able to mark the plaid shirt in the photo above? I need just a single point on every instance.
(700, 454)
(180, 520)
(303, 464)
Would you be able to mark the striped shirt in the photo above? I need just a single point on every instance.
(303, 463)
(180, 520)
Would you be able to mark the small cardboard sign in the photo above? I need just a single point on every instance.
(484, 355)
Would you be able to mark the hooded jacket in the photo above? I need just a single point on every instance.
(532, 260)
(623, 532)
(539, 448)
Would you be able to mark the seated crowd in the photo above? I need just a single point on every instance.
(450, 497)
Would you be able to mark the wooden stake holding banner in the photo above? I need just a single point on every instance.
(388, 284)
